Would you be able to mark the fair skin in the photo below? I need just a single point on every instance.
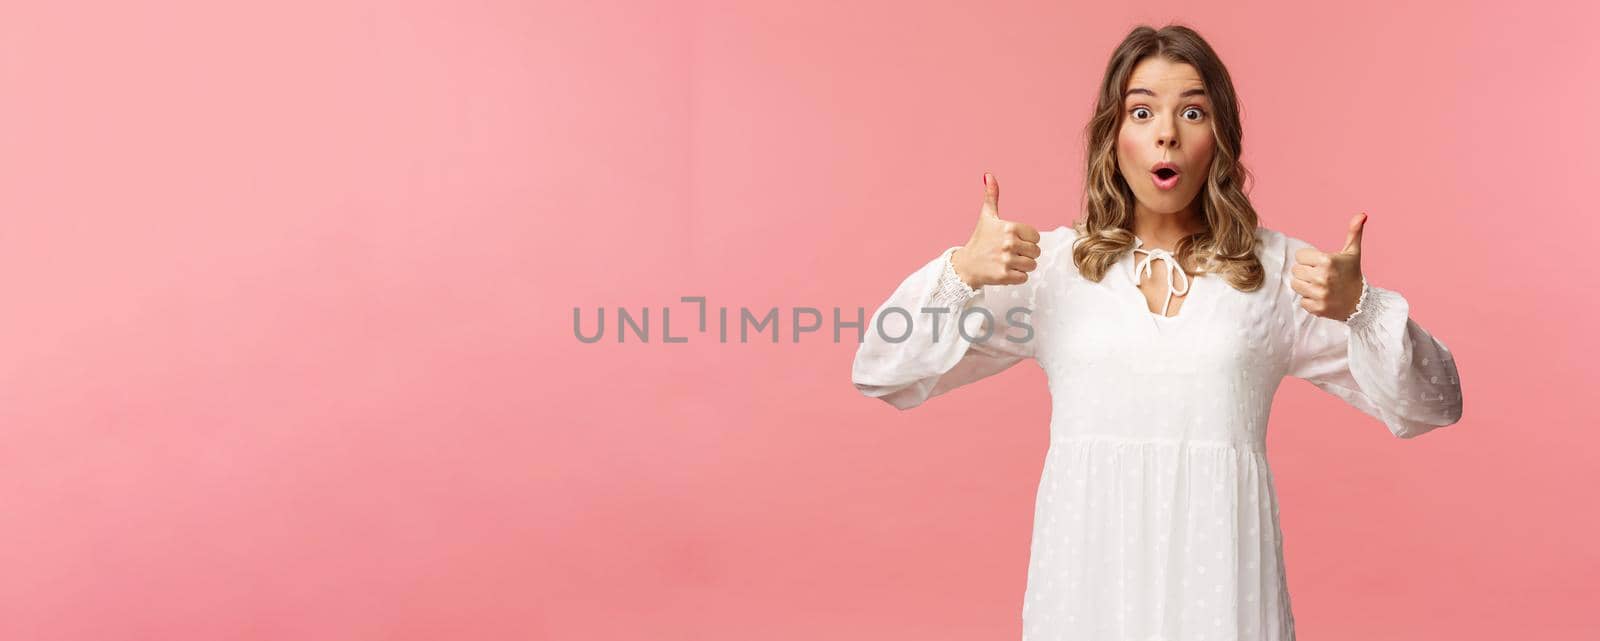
(1166, 118)
(999, 252)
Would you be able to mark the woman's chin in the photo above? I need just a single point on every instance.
(1164, 203)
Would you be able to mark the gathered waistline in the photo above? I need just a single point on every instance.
(1252, 446)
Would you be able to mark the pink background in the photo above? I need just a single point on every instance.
(288, 348)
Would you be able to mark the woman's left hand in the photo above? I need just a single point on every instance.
(1330, 284)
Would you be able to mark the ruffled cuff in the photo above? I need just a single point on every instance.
(1360, 302)
(1372, 306)
(951, 291)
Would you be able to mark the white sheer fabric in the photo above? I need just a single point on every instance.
(1156, 517)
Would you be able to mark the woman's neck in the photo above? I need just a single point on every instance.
(1159, 230)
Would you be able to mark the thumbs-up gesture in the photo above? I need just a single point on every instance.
(1000, 252)
(1330, 284)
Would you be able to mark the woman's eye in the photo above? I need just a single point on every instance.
(1142, 113)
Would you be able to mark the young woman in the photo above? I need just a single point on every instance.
(1164, 319)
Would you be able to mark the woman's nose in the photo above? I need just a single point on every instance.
(1167, 136)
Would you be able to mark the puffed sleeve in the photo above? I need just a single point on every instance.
(1379, 361)
(913, 348)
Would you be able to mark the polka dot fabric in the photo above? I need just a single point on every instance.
(1156, 517)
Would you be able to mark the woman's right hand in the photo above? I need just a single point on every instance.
(1000, 252)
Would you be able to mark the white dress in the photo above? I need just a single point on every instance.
(1156, 517)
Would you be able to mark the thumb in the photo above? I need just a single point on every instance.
(1352, 241)
(991, 196)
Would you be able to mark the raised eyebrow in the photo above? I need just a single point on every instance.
(1186, 93)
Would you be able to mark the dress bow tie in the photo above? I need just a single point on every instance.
(1174, 272)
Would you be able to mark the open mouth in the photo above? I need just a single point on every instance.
(1165, 178)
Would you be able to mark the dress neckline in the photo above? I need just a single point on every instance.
(1134, 265)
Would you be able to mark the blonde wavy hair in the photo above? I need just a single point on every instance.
(1227, 246)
